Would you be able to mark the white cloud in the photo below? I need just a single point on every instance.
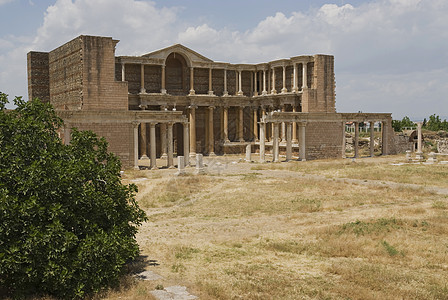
(386, 51)
(5, 1)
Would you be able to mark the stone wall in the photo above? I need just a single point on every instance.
(323, 140)
(442, 146)
(38, 76)
(401, 143)
(325, 86)
(120, 137)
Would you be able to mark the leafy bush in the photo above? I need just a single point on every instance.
(67, 225)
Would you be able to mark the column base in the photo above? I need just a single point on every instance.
(154, 168)
(285, 90)
(295, 141)
(264, 93)
(295, 90)
(211, 93)
(225, 94)
(240, 93)
(171, 167)
(212, 154)
(273, 92)
(164, 156)
(142, 91)
(144, 157)
(255, 94)
(241, 141)
(163, 91)
(192, 92)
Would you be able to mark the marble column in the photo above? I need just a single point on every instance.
(163, 140)
(135, 125)
(284, 89)
(295, 89)
(225, 92)
(152, 142)
(263, 115)
(356, 141)
(255, 128)
(240, 124)
(264, 92)
(304, 76)
(210, 81)
(186, 144)
(211, 139)
(170, 163)
(144, 143)
(419, 138)
(192, 91)
(288, 141)
(273, 91)
(302, 142)
(192, 131)
(372, 138)
(142, 79)
(163, 90)
(283, 127)
(255, 84)
(240, 86)
(262, 141)
(275, 144)
(123, 72)
(294, 128)
(226, 124)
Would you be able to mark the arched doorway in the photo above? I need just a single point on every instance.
(176, 72)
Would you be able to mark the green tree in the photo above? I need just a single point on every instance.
(406, 122)
(68, 224)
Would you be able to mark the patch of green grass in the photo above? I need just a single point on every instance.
(307, 205)
(184, 252)
(391, 250)
(362, 228)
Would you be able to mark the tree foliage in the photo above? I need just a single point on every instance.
(404, 123)
(68, 224)
(435, 123)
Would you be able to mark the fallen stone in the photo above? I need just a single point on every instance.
(176, 292)
(148, 275)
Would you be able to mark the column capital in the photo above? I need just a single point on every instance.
(135, 123)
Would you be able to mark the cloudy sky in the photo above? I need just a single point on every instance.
(390, 55)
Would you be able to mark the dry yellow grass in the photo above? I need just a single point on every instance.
(273, 232)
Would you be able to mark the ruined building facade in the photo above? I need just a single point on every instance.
(175, 101)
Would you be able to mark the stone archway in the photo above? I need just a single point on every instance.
(176, 72)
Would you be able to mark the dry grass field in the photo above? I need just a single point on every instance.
(336, 229)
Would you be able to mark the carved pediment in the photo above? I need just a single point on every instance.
(189, 54)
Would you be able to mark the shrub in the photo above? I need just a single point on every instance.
(68, 225)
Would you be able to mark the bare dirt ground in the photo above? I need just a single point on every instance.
(370, 228)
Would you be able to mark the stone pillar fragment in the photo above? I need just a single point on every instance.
(262, 141)
(288, 141)
(419, 153)
(180, 165)
(199, 164)
(248, 152)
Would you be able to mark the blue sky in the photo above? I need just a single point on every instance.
(390, 55)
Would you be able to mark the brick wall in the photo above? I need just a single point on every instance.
(38, 75)
(323, 140)
(120, 137)
(324, 83)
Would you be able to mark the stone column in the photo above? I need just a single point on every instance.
(295, 89)
(288, 141)
(192, 131)
(210, 80)
(255, 83)
(170, 163)
(186, 144)
(236, 82)
(163, 140)
(273, 91)
(255, 111)
(419, 138)
(123, 72)
(302, 142)
(211, 139)
(226, 124)
(304, 76)
(264, 92)
(142, 79)
(240, 86)
(275, 145)
(284, 89)
(163, 90)
(355, 143)
(143, 144)
(192, 91)
(294, 128)
(225, 92)
(263, 115)
(180, 166)
(385, 143)
(152, 141)
(240, 124)
(343, 140)
(372, 138)
(262, 140)
(135, 125)
(283, 127)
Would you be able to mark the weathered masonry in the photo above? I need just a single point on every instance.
(175, 101)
